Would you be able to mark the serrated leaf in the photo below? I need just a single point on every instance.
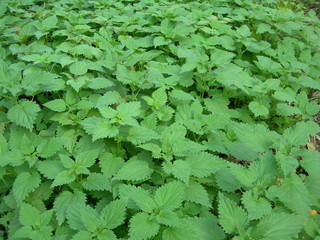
(74, 216)
(28, 214)
(195, 192)
(23, 232)
(24, 114)
(89, 218)
(13, 158)
(170, 195)
(109, 98)
(47, 148)
(293, 193)
(50, 169)
(258, 109)
(204, 164)
(134, 170)
(160, 97)
(140, 135)
(181, 95)
(64, 201)
(168, 218)
(184, 231)
(257, 207)
(96, 181)
(142, 227)
(279, 226)
(79, 68)
(137, 197)
(82, 235)
(24, 184)
(179, 169)
(114, 213)
(99, 128)
(159, 41)
(62, 178)
(131, 109)
(57, 105)
(110, 164)
(100, 82)
(232, 218)
(207, 228)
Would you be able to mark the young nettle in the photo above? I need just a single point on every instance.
(159, 120)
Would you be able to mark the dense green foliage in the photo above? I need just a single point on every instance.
(174, 120)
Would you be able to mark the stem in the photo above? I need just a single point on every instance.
(8, 97)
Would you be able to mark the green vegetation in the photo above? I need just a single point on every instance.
(150, 120)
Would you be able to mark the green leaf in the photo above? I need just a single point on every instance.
(134, 170)
(64, 201)
(267, 64)
(28, 214)
(170, 195)
(279, 226)
(195, 192)
(179, 169)
(74, 213)
(104, 129)
(293, 193)
(42, 233)
(244, 31)
(137, 196)
(297, 135)
(207, 228)
(89, 218)
(140, 135)
(284, 109)
(159, 41)
(110, 164)
(131, 109)
(24, 184)
(258, 109)
(204, 164)
(62, 178)
(57, 105)
(160, 97)
(99, 128)
(48, 147)
(168, 218)
(185, 231)
(181, 95)
(257, 207)
(114, 213)
(49, 22)
(241, 151)
(232, 218)
(100, 82)
(142, 227)
(79, 68)
(256, 136)
(109, 98)
(309, 82)
(23, 232)
(50, 169)
(24, 114)
(82, 235)
(226, 180)
(13, 158)
(96, 181)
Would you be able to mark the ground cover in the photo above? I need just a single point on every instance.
(159, 120)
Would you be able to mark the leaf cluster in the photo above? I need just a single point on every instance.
(154, 119)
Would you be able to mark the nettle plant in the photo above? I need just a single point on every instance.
(171, 120)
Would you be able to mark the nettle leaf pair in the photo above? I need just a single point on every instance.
(109, 125)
